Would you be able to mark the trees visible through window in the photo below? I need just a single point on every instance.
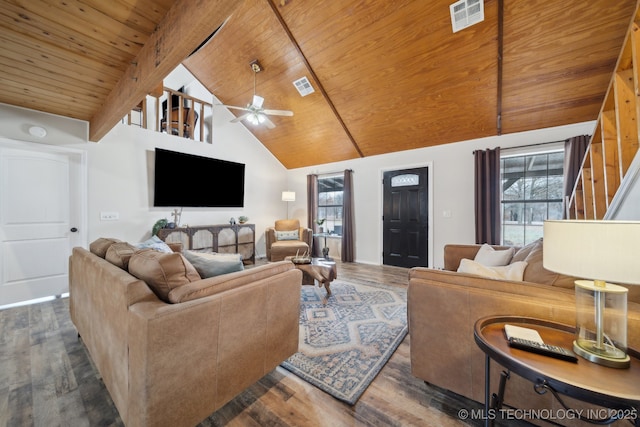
(330, 191)
(531, 193)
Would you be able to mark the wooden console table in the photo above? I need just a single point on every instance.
(221, 238)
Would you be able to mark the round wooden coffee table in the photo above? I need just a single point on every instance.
(319, 269)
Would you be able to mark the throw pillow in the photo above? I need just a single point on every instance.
(287, 235)
(162, 271)
(155, 243)
(119, 254)
(491, 257)
(99, 246)
(522, 253)
(214, 264)
(513, 271)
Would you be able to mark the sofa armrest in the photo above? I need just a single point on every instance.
(206, 351)
(269, 239)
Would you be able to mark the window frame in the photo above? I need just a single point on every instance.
(524, 152)
(329, 225)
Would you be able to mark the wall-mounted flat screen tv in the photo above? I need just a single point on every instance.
(187, 180)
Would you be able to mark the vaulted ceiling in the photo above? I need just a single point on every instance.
(388, 75)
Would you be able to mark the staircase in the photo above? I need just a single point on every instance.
(611, 168)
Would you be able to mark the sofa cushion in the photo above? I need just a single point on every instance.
(99, 246)
(535, 271)
(522, 253)
(214, 264)
(287, 235)
(513, 271)
(155, 243)
(491, 257)
(162, 271)
(119, 254)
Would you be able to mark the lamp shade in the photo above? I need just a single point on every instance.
(596, 250)
(288, 196)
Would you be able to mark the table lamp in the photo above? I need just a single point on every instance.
(601, 251)
(288, 196)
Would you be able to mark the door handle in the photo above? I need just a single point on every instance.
(73, 230)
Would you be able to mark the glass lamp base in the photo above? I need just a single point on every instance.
(609, 355)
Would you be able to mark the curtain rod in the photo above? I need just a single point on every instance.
(532, 145)
(527, 145)
(333, 173)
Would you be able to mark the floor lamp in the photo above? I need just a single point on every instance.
(288, 196)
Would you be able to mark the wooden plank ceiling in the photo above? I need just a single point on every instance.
(388, 75)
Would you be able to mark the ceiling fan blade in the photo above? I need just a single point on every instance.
(268, 123)
(240, 118)
(233, 107)
(278, 112)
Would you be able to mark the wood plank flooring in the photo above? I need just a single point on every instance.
(47, 379)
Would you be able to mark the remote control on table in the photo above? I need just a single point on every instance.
(544, 349)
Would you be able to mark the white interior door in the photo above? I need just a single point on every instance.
(36, 235)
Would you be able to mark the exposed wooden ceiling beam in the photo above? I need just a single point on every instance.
(184, 27)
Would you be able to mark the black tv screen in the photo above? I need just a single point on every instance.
(187, 180)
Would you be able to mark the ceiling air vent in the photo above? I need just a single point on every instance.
(465, 13)
(304, 86)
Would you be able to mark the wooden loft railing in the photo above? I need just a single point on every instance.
(185, 113)
(614, 145)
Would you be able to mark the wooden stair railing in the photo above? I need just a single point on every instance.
(175, 113)
(614, 143)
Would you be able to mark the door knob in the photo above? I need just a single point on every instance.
(73, 229)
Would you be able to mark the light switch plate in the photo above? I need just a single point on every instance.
(109, 216)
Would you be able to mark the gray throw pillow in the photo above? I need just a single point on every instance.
(214, 264)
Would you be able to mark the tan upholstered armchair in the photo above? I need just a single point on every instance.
(287, 238)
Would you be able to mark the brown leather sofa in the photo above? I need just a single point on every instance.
(443, 306)
(175, 364)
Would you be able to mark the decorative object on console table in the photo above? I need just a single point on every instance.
(242, 219)
(221, 238)
(597, 250)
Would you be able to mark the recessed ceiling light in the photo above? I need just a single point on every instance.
(37, 131)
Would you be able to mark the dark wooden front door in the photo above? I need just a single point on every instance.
(405, 218)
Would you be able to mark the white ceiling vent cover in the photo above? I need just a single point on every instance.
(304, 86)
(465, 13)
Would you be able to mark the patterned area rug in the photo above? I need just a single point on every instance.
(346, 339)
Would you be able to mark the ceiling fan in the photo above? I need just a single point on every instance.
(254, 112)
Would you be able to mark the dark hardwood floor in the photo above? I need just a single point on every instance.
(47, 379)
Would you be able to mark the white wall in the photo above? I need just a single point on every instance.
(119, 178)
(120, 171)
(452, 171)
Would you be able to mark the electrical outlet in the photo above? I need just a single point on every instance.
(109, 216)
